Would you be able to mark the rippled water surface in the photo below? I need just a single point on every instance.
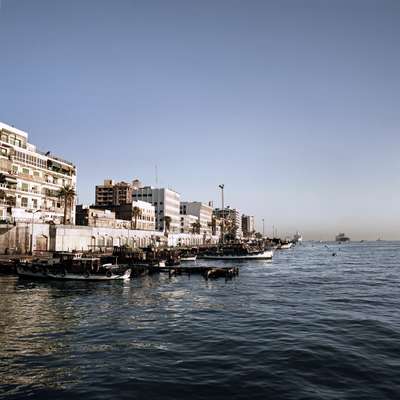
(307, 325)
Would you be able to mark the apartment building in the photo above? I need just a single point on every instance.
(202, 211)
(30, 180)
(166, 203)
(115, 193)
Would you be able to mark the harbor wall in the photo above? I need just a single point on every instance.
(16, 239)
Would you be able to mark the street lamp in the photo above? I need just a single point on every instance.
(32, 222)
(223, 212)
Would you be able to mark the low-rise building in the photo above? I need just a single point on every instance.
(30, 180)
(189, 224)
(141, 213)
(200, 210)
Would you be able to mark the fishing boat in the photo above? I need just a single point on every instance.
(238, 251)
(83, 268)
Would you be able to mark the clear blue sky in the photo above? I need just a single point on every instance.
(294, 105)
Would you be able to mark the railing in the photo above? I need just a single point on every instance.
(47, 154)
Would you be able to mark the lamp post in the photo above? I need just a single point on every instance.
(223, 212)
(32, 223)
(263, 227)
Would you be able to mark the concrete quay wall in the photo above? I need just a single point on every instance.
(16, 239)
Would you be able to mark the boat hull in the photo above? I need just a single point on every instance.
(286, 246)
(69, 276)
(194, 258)
(266, 255)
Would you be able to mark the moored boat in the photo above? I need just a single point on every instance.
(239, 251)
(84, 268)
(189, 258)
(286, 245)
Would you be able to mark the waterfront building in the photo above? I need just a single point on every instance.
(112, 193)
(136, 214)
(248, 226)
(140, 213)
(200, 210)
(166, 203)
(189, 224)
(30, 180)
(97, 217)
(232, 220)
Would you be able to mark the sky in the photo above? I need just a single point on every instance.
(293, 105)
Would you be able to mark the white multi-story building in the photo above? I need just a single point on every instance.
(30, 180)
(200, 210)
(188, 224)
(166, 203)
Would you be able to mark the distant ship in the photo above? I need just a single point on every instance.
(341, 237)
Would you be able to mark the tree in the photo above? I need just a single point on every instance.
(136, 212)
(67, 193)
(196, 227)
(167, 224)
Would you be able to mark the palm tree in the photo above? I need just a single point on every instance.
(67, 193)
(196, 227)
(167, 224)
(136, 212)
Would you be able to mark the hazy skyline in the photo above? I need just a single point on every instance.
(293, 105)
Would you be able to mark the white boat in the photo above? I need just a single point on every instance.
(297, 238)
(265, 255)
(89, 269)
(189, 258)
(286, 246)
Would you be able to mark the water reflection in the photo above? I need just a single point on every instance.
(279, 325)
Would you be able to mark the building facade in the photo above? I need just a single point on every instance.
(189, 224)
(200, 210)
(166, 203)
(30, 180)
(231, 219)
(112, 193)
(248, 226)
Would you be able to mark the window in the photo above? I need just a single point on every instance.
(34, 203)
(24, 202)
(3, 152)
(24, 187)
(36, 173)
(25, 171)
(14, 169)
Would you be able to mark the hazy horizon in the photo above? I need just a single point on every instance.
(294, 106)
